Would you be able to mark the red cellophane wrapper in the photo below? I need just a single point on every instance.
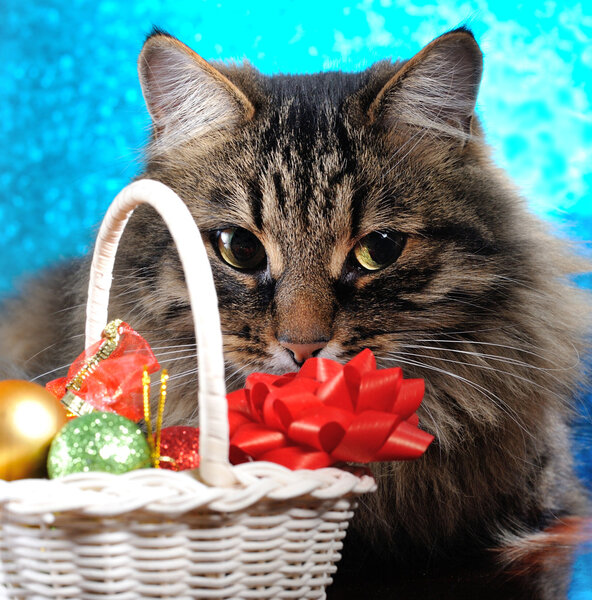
(327, 413)
(116, 383)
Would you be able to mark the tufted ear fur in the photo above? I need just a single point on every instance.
(436, 90)
(186, 96)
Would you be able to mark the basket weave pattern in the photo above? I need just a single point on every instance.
(161, 534)
(256, 530)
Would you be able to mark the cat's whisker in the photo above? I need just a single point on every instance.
(133, 301)
(50, 372)
(176, 376)
(439, 336)
(162, 344)
(240, 373)
(69, 308)
(132, 291)
(496, 400)
(181, 375)
(480, 309)
(169, 361)
(48, 348)
(240, 369)
(487, 368)
(127, 282)
(402, 359)
(184, 353)
(520, 349)
(519, 282)
(130, 270)
(494, 357)
(156, 348)
(435, 426)
(464, 332)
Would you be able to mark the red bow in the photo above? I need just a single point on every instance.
(116, 383)
(327, 413)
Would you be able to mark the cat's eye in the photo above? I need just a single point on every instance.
(378, 249)
(240, 248)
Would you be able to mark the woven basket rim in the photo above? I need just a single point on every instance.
(160, 491)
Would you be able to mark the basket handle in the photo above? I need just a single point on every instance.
(214, 469)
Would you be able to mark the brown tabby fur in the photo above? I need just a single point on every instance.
(478, 303)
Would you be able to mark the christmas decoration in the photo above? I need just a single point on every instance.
(154, 440)
(179, 448)
(29, 418)
(327, 413)
(107, 375)
(98, 442)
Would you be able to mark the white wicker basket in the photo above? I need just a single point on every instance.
(256, 530)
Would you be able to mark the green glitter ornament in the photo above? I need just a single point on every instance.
(99, 441)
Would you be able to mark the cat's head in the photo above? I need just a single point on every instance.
(343, 211)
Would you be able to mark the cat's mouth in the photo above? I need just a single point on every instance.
(277, 361)
(283, 359)
(302, 352)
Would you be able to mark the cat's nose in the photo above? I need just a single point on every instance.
(302, 352)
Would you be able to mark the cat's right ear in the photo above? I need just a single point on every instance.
(436, 90)
(186, 96)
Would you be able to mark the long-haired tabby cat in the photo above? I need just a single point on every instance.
(350, 210)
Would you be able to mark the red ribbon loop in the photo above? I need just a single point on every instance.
(328, 413)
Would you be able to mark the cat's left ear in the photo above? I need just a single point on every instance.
(436, 90)
(185, 95)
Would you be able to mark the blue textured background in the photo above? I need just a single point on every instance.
(72, 120)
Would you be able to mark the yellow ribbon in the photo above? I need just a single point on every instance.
(154, 443)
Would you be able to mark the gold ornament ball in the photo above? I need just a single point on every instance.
(30, 417)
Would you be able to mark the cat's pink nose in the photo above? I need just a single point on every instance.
(302, 352)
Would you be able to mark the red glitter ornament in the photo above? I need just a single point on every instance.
(179, 447)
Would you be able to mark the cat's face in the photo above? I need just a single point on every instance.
(322, 217)
(344, 211)
(328, 239)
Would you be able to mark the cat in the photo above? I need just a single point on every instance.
(344, 211)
